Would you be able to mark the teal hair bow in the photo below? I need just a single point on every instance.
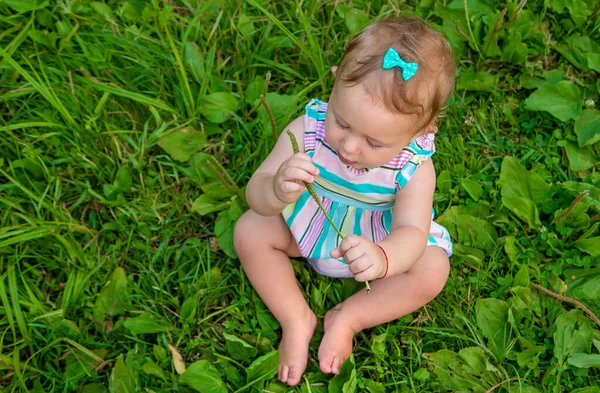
(392, 59)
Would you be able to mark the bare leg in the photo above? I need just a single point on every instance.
(263, 245)
(390, 299)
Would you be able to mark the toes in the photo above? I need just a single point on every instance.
(293, 377)
(335, 365)
(283, 375)
(326, 365)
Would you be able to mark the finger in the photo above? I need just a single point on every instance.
(289, 187)
(360, 265)
(295, 174)
(349, 242)
(336, 253)
(366, 275)
(354, 254)
(302, 163)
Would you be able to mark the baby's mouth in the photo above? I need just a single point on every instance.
(345, 161)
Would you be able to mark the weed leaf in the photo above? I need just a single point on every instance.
(587, 127)
(204, 378)
(492, 319)
(561, 100)
(146, 323)
(263, 368)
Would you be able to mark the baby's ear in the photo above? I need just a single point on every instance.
(334, 70)
(431, 129)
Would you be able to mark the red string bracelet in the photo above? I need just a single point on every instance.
(387, 262)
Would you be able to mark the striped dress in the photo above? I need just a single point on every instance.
(359, 201)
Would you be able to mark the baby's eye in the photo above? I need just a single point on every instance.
(372, 145)
(341, 125)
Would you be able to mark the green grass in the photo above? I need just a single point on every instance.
(118, 120)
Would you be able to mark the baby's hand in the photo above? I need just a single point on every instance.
(289, 180)
(367, 261)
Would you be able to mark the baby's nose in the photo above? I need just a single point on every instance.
(351, 145)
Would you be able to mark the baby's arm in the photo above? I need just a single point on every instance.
(411, 222)
(278, 181)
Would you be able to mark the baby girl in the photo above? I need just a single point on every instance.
(367, 153)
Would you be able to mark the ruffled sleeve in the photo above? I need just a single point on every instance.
(419, 150)
(314, 116)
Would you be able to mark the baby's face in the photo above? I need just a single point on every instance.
(363, 132)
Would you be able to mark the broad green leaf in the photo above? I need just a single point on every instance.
(94, 388)
(124, 181)
(590, 245)
(113, 298)
(573, 335)
(263, 368)
(515, 50)
(206, 204)
(471, 231)
(245, 26)
(584, 283)
(523, 208)
(580, 158)
(492, 319)
(583, 360)
(194, 60)
(238, 348)
(218, 107)
(472, 255)
(561, 100)
(378, 346)
(102, 9)
(224, 232)
(444, 181)
(467, 371)
(517, 181)
(181, 144)
(188, 308)
(579, 11)
(255, 90)
(593, 61)
(152, 368)
(530, 357)
(521, 190)
(122, 378)
(587, 127)
(522, 277)
(204, 378)
(476, 81)
(146, 323)
(26, 5)
(512, 249)
(473, 188)
(374, 387)
(356, 20)
(345, 380)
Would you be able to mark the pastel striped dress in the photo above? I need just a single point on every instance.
(359, 201)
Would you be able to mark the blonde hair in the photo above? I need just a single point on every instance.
(425, 93)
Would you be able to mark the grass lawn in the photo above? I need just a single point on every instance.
(128, 130)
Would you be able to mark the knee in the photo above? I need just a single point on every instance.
(244, 238)
(435, 277)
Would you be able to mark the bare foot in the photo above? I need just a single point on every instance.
(336, 345)
(293, 349)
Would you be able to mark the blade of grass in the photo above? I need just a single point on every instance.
(45, 91)
(184, 82)
(137, 97)
(13, 291)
